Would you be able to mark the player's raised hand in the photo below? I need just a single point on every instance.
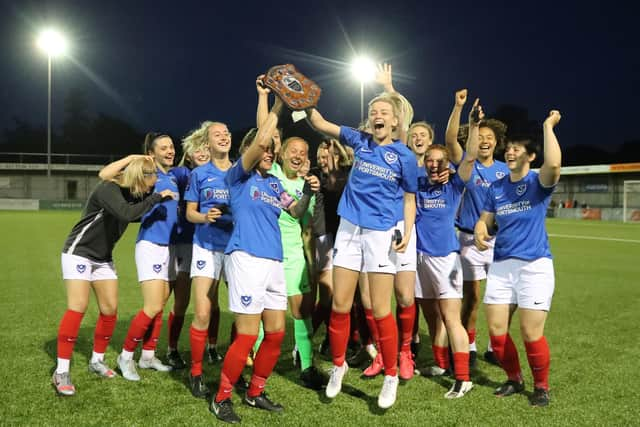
(260, 87)
(553, 119)
(461, 97)
(476, 114)
(384, 77)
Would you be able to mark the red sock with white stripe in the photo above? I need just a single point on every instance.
(67, 336)
(507, 354)
(388, 331)
(539, 361)
(339, 324)
(265, 361)
(472, 339)
(135, 334)
(198, 338)
(102, 335)
(233, 364)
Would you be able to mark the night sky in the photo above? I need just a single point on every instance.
(170, 65)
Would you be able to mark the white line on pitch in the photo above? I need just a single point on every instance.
(609, 239)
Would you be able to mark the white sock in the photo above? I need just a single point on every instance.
(147, 354)
(472, 346)
(63, 366)
(97, 357)
(489, 347)
(126, 355)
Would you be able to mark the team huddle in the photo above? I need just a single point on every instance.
(375, 218)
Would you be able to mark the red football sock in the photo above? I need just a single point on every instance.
(406, 320)
(441, 356)
(373, 326)
(539, 361)
(388, 331)
(265, 361)
(214, 326)
(175, 324)
(339, 336)
(472, 335)
(233, 364)
(151, 339)
(136, 332)
(68, 333)
(461, 366)
(507, 354)
(104, 330)
(198, 338)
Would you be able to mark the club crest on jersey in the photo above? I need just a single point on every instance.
(274, 186)
(208, 193)
(500, 174)
(157, 268)
(81, 268)
(390, 157)
(521, 189)
(298, 194)
(437, 193)
(255, 192)
(200, 264)
(245, 300)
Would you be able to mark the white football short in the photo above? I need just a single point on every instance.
(324, 252)
(475, 263)
(152, 261)
(527, 284)
(363, 249)
(439, 277)
(255, 284)
(75, 267)
(407, 260)
(206, 263)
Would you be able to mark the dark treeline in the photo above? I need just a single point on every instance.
(110, 137)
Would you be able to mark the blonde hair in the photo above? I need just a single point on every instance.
(437, 147)
(401, 107)
(386, 97)
(188, 148)
(423, 124)
(132, 177)
(200, 136)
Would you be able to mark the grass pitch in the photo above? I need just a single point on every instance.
(592, 330)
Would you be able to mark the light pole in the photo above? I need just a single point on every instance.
(364, 70)
(53, 44)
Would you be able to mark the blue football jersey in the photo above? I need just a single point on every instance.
(380, 176)
(158, 225)
(476, 192)
(436, 209)
(256, 202)
(520, 209)
(208, 188)
(183, 232)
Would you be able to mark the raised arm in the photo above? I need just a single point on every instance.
(263, 139)
(111, 170)
(550, 169)
(319, 123)
(263, 101)
(466, 164)
(384, 77)
(112, 201)
(453, 126)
